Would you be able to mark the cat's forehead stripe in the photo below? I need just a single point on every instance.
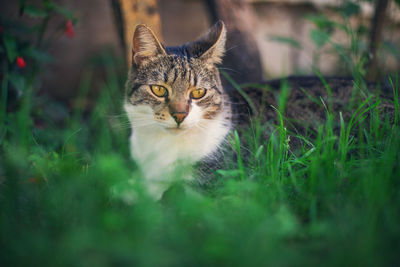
(175, 75)
(185, 69)
(195, 80)
(165, 77)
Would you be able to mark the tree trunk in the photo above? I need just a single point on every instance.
(242, 59)
(128, 14)
(376, 37)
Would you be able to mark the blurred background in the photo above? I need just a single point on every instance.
(68, 186)
(268, 38)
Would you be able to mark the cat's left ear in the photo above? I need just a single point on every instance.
(211, 47)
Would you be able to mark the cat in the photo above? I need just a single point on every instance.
(178, 110)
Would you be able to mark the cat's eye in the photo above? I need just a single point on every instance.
(159, 90)
(198, 93)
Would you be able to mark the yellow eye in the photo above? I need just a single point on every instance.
(197, 93)
(159, 90)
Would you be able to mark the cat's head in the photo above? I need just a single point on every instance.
(175, 88)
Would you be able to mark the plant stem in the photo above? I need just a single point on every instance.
(4, 94)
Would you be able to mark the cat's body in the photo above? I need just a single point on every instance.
(178, 110)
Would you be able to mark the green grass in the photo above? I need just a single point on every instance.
(67, 192)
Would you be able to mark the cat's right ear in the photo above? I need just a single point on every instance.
(145, 45)
(211, 47)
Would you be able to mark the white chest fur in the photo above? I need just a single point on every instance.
(160, 152)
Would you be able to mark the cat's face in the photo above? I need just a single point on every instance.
(175, 88)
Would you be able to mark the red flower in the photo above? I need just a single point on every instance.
(21, 62)
(69, 29)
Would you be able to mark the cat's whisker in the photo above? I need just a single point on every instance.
(202, 121)
(117, 121)
(233, 47)
(138, 118)
(143, 124)
(141, 116)
(115, 124)
(116, 116)
(119, 124)
(201, 128)
(229, 69)
(141, 119)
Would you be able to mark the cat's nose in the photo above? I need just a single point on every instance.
(179, 116)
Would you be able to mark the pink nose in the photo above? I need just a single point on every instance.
(179, 116)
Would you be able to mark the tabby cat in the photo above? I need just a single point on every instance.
(177, 108)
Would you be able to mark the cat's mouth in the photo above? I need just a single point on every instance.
(176, 129)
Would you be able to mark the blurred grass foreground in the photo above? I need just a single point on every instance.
(70, 195)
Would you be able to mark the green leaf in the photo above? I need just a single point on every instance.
(63, 11)
(397, 2)
(11, 47)
(324, 23)
(21, 3)
(18, 81)
(286, 40)
(321, 21)
(34, 11)
(362, 30)
(38, 55)
(21, 6)
(319, 38)
(392, 49)
(350, 8)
